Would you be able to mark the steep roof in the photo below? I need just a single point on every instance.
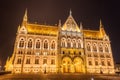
(42, 29)
(92, 34)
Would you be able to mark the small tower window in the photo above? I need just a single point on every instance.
(21, 43)
(38, 44)
(45, 44)
(53, 45)
(30, 43)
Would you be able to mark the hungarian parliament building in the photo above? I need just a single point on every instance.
(63, 48)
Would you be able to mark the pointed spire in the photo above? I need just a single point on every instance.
(59, 23)
(25, 16)
(70, 12)
(18, 28)
(102, 31)
(81, 26)
(101, 25)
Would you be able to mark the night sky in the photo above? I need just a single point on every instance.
(50, 11)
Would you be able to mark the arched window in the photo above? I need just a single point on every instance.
(108, 63)
(45, 44)
(100, 48)
(96, 63)
(79, 44)
(29, 43)
(68, 43)
(74, 44)
(106, 48)
(53, 45)
(37, 44)
(88, 47)
(94, 48)
(21, 43)
(63, 43)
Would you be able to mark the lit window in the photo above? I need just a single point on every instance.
(37, 54)
(45, 53)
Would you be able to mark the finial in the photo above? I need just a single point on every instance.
(101, 25)
(81, 26)
(59, 23)
(25, 15)
(70, 12)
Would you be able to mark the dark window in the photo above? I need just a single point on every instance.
(53, 61)
(46, 45)
(96, 63)
(103, 63)
(53, 45)
(30, 43)
(21, 43)
(94, 48)
(36, 61)
(88, 47)
(28, 61)
(109, 64)
(19, 61)
(44, 61)
(90, 63)
(38, 44)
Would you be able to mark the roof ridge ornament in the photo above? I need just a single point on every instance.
(70, 12)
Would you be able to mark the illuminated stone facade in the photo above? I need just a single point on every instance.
(66, 48)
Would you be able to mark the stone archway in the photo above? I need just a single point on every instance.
(66, 65)
(78, 65)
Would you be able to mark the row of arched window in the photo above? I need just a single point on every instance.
(71, 43)
(99, 48)
(102, 63)
(38, 43)
(37, 61)
(53, 53)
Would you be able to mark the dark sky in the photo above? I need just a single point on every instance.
(50, 11)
